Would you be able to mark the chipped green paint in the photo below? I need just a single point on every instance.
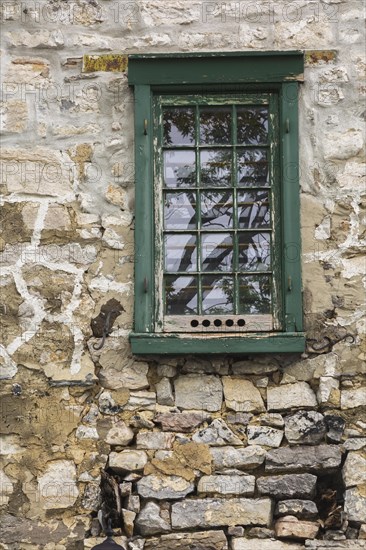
(313, 57)
(111, 62)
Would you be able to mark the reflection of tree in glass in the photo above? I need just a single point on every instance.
(252, 125)
(216, 210)
(215, 125)
(254, 251)
(180, 119)
(255, 295)
(178, 296)
(253, 210)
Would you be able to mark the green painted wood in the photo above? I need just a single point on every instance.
(204, 68)
(291, 238)
(172, 345)
(144, 215)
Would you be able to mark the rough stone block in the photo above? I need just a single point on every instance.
(198, 392)
(242, 396)
(226, 485)
(231, 457)
(57, 486)
(128, 460)
(252, 544)
(290, 396)
(213, 540)
(355, 504)
(290, 527)
(354, 470)
(180, 422)
(154, 440)
(149, 521)
(221, 512)
(288, 486)
(304, 509)
(217, 434)
(305, 427)
(164, 487)
(264, 435)
(320, 458)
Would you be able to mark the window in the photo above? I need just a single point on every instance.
(217, 266)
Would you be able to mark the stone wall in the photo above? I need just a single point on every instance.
(262, 452)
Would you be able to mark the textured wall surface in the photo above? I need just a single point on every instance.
(262, 452)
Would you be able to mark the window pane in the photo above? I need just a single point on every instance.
(180, 295)
(254, 251)
(215, 168)
(179, 168)
(180, 211)
(253, 167)
(217, 295)
(255, 294)
(178, 126)
(216, 210)
(252, 125)
(217, 252)
(253, 209)
(180, 253)
(215, 125)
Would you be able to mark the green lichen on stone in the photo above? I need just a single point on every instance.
(108, 63)
(313, 57)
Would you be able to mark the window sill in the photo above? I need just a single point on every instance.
(173, 344)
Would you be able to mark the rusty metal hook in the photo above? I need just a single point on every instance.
(329, 342)
(106, 329)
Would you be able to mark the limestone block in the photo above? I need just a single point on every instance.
(264, 435)
(354, 470)
(145, 400)
(320, 458)
(164, 393)
(305, 427)
(226, 485)
(198, 392)
(38, 39)
(328, 392)
(37, 171)
(242, 396)
(6, 488)
(154, 440)
(252, 544)
(121, 372)
(180, 422)
(212, 512)
(342, 145)
(231, 457)
(253, 367)
(149, 521)
(217, 434)
(57, 486)
(288, 486)
(164, 487)
(213, 540)
(119, 434)
(13, 116)
(304, 509)
(272, 419)
(298, 395)
(128, 460)
(290, 527)
(353, 398)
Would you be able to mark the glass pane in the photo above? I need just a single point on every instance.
(180, 253)
(179, 168)
(215, 125)
(180, 295)
(216, 210)
(217, 295)
(178, 126)
(255, 294)
(180, 211)
(253, 210)
(253, 167)
(215, 168)
(254, 251)
(217, 252)
(252, 125)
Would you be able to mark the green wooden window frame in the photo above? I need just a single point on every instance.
(271, 77)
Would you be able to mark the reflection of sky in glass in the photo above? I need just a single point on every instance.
(253, 209)
(180, 253)
(217, 295)
(217, 252)
(216, 168)
(179, 211)
(179, 168)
